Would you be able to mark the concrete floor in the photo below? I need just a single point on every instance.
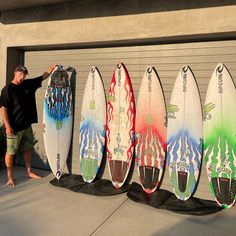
(35, 207)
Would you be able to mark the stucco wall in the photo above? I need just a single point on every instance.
(162, 26)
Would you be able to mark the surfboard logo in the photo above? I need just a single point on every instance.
(93, 81)
(172, 110)
(224, 170)
(149, 70)
(149, 77)
(58, 173)
(182, 165)
(184, 76)
(92, 105)
(119, 77)
(111, 98)
(149, 119)
(185, 83)
(220, 83)
(90, 154)
(219, 75)
(207, 109)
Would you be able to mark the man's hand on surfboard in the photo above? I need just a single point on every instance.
(48, 71)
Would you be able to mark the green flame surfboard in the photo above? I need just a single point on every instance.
(220, 136)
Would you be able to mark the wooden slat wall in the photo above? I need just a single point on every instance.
(168, 60)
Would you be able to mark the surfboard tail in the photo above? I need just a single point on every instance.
(149, 178)
(224, 190)
(89, 169)
(118, 170)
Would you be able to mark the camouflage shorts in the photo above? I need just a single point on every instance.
(22, 141)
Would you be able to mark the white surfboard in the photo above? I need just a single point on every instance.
(92, 126)
(184, 134)
(57, 119)
(220, 136)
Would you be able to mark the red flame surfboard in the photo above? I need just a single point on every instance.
(120, 126)
(151, 131)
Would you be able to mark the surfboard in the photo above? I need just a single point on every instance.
(150, 128)
(184, 134)
(57, 119)
(120, 123)
(220, 136)
(92, 126)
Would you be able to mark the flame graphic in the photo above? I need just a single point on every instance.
(150, 148)
(91, 138)
(58, 102)
(109, 114)
(182, 148)
(130, 115)
(220, 157)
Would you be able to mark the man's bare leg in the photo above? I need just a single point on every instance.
(9, 164)
(27, 156)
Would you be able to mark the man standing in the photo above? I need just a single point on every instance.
(18, 109)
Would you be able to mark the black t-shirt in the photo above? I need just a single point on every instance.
(20, 103)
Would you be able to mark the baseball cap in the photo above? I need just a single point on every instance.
(22, 69)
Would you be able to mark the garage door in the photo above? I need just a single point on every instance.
(168, 60)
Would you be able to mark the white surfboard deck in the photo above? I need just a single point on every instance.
(184, 134)
(57, 119)
(92, 126)
(150, 128)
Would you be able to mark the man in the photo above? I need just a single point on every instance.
(18, 109)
